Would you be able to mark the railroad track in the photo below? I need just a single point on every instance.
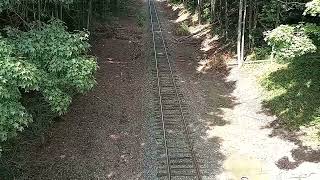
(176, 157)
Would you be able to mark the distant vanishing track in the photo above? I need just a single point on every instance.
(177, 159)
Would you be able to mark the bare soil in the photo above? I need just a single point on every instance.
(102, 135)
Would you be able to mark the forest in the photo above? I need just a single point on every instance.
(285, 32)
(45, 57)
(279, 24)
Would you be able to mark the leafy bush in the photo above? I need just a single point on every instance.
(288, 41)
(313, 8)
(262, 52)
(47, 59)
(15, 74)
(313, 31)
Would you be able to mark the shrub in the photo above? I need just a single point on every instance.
(313, 8)
(47, 59)
(288, 41)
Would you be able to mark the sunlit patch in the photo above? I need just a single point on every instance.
(209, 134)
(198, 28)
(114, 137)
(308, 84)
(183, 16)
(310, 136)
(207, 43)
(177, 7)
(215, 62)
(239, 166)
(202, 33)
(194, 18)
(210, 113)
(110, 175)
(204, 66)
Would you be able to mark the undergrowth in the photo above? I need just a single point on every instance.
(182, 29)
(293, 92)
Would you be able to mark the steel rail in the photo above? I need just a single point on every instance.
(184, 123)
(187, 131)
(160, 97)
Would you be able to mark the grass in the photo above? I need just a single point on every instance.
(293, 92)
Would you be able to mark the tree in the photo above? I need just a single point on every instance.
(241, 27)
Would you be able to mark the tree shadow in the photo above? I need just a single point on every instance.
(296, 103)
(299, 103)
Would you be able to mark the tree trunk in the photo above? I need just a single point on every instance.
(239, 33)
(39, 11)
(200, 11)
(278, 14)
(226, 20)
(89, 14)
(213, 8)
(243, 30)
(255, 21)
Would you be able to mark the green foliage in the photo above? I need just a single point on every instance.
(289, 41)
(15, 74)
(313, 31)
(182, 29)
(47, 59)
(141, 18)
(6, 4)
(313, 8)
(294, 92)
(268, 14)
(77, 14)
(262, 53)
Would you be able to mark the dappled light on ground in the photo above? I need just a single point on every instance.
(199, 31)
(201, 36)
(203, 66)
(208, 43)
(292, 97)
(183, 15)
(292, 92)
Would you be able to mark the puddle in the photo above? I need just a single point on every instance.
(240, 167)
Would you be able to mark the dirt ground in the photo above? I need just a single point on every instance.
(102, 135)
(234, 136)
